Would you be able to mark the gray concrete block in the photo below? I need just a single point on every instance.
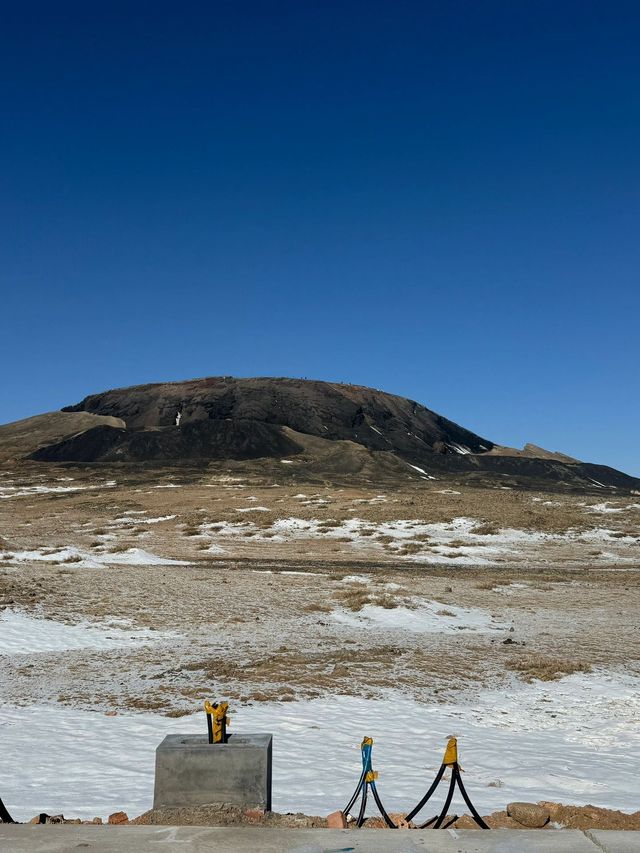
(204, 839)
(615, 840)
(521, 841)
(190, 771)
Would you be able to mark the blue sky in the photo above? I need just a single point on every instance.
(437, 199)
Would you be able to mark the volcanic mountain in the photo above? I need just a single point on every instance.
(334, 429)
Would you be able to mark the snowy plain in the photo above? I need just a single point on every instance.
(574, 741)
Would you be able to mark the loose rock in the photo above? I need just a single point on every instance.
(336, 820)
(529, 814)
(118, 817)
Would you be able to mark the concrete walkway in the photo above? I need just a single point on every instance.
(193, 839)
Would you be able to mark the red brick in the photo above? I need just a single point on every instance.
(118, 817)
(254, 814)
(336, 820)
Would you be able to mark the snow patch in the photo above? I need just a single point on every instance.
(127, 519)
(30, 491)
(431, 617)
(21, 633)
(459, 448)
(421, 471)
(79, 559)
(604, 508)
(213, 549)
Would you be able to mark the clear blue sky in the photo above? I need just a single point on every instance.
(440, 199)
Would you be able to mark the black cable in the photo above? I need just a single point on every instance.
(5, 817)
(476, 816)
(210, 728)
(363, 805)
(376, 797)
(427, 796)
(456, 779)
(447, 802)
(349, 806)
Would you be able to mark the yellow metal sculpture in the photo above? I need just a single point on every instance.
(217, 720)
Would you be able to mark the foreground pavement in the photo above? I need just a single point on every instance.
(192, 839)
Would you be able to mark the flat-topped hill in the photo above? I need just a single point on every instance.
(337, 428)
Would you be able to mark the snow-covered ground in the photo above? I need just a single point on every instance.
(27, 491)
(133, 517)
(574, 740)
(78, 558)
(428, 617)
(461, 542)
(21, 633)
(607, 507)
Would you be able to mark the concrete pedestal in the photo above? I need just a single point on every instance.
(190, 771)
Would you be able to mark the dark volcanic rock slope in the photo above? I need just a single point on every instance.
(228, 418)
(377, 420)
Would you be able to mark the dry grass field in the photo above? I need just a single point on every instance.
(293, 589)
